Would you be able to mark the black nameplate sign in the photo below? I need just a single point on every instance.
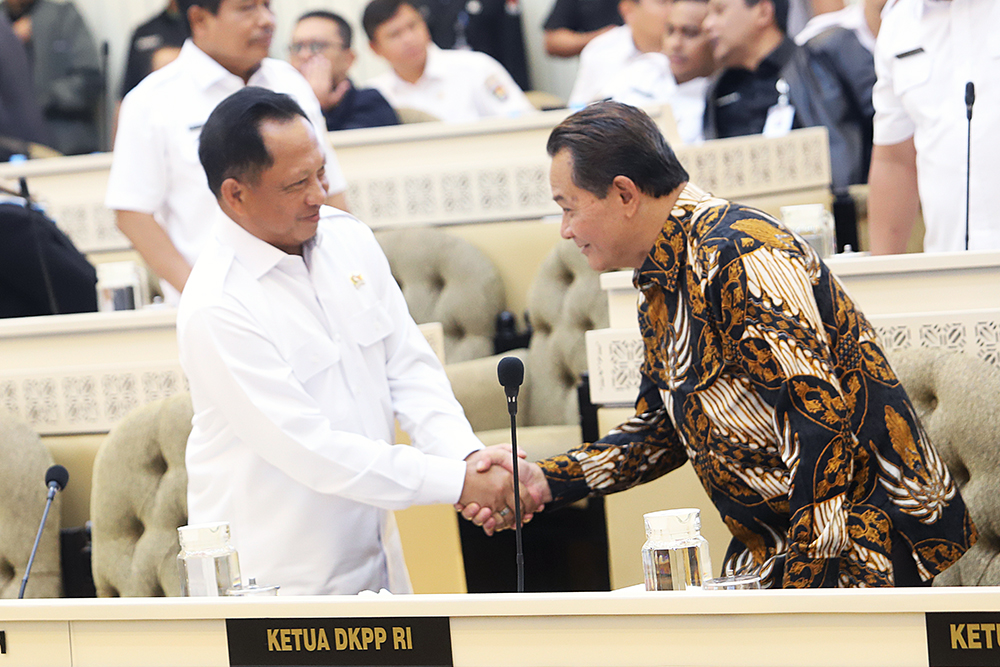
(963, 639)
(3, 642)
(357, 642)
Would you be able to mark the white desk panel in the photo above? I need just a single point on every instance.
(752, 628)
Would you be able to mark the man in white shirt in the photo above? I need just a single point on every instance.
(300, 352)
(927, 52)
(156, 186)
(604, 58)
(450, 85)
(677, 76)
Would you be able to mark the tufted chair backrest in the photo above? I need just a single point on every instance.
(447, 279)
(138, 500)
(957, 397)
(23, 463)
(565, 301)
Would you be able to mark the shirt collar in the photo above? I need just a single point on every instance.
(256, 256)
(663, 264)
(778, 58)
(204, 69)
(434, 68)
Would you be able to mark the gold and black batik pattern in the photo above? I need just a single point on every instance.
(760, 371)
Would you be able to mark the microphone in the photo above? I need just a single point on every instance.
(56, 478)
(510, 372)
(970, 99)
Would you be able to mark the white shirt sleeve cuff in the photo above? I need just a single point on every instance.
(443, 481)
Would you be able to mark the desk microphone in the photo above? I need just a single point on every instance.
(510, 372)
(970, 99)
(56, 478)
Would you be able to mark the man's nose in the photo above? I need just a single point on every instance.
(564, 229)
(265, 17)
(317, 192)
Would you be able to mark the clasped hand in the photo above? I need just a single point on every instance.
(488, 494)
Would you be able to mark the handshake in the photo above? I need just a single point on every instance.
(488, 494)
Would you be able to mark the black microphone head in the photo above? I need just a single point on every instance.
(970, 94)
(57, 475)
(510, 372)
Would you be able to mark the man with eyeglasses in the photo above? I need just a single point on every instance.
(321, 51)
(156, 186)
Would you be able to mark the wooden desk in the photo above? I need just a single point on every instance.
(767, 628)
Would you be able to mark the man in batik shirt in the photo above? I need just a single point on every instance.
(758, 369)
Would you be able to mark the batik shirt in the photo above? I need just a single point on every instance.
(760, 371)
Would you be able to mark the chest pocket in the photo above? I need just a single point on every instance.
(371, 325)
(910, 71)
(314, 357)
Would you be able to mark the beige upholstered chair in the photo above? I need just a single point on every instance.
(957, 397)
(565, 300)
(408, 115)
(447, 279)
(544, 100)
(138, 499)
(23, 463)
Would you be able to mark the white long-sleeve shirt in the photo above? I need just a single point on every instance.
(297, 366)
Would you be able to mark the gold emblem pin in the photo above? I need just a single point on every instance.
(357, 280)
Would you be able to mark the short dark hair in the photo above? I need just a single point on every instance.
(231, 145)
(378, 12)
(343, 27)
(212, 6)
(608, 139)
(780, 12)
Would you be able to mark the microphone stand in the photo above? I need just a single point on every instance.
(512, 407)
(970, 99)
(53, 487)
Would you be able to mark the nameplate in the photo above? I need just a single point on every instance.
(963, 639)
(359, 642)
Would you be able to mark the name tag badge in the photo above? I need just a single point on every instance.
(781, 116)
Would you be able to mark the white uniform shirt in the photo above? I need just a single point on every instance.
(155, 168)
(456, 86)
(297, 367)
(647, 80)
(927, 51)
(601, 61)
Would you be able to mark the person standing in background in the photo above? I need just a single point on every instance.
(572, 24)
(927, 55)
(65, 68)
(156, 187)
(166, 30)
(20, 117)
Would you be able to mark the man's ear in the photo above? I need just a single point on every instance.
(196, 16)
(764, 14)
(625, 189)
(232, 193)
(373, 45)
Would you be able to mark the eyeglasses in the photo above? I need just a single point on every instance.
(313, 48)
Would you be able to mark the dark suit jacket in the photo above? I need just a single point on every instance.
(830, 81)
